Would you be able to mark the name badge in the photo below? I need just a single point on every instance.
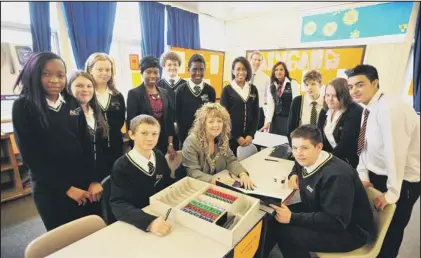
(205, 98)
(75, 112)
(116, 105)
(253, 96)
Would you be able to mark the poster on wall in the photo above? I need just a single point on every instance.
(330, 62)
(214, 72)
(385, 21)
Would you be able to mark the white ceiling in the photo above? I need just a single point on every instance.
(239, 10)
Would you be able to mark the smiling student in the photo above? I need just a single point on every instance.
(242, 103)
(389, 151)
(138, 175)
(192, 95)
(334, 215)
(52, 135)
(111, 101)
(82, 86)
(305, 108)
(149, 99)
(171, 63)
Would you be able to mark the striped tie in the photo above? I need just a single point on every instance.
(172, 83)
(151, 167)
(361, 137)
(313, 116)
(196, 89)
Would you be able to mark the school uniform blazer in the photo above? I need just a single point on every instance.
(197, 163)
(345, 133)
(294, 115)
(138, 103)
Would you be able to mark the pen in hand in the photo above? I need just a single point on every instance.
(271, 160)
(168, 214)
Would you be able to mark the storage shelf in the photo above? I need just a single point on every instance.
(5, 166)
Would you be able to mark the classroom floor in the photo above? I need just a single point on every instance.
(20, 224)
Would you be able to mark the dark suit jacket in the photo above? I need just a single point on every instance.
(346, 134)
(138, 103)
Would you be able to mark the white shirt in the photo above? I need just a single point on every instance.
(331, 125)
(262, 83)
(243, 92)
(323, 156)
(104, 98)
(392, 145)
(307, 106)
(176, 79)
(295, 88)
(90, 118)
(192, 85)
(57, 104)
(141, 161)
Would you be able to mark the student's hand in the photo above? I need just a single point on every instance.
(160, 227)
(293, 182)
(171, 152)
(283, 214)
(79, 195)
(265, 128)
(241, 141)
(367, 184)
(246, 182)
(95, 189)
(248, 141)
(381, 202)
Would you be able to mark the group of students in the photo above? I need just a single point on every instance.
(69, 135)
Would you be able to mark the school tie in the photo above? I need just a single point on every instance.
(361, 137)
(313, 116)
(304, 171)
(151, 167)
(172, 83)
(196, 89)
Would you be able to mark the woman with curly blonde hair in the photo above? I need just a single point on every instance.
(206, 150)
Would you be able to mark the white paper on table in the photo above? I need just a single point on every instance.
(269, 139)
(214, 64)
(183, 57)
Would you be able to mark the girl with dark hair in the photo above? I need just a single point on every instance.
(280, 94)
(52, 136)
(102, 68)
(82, 86)
(242, 103)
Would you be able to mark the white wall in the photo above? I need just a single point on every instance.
(281, 29)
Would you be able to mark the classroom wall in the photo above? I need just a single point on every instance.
(281, 29)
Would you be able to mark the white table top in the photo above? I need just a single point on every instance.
(123, 240)
(269, 139)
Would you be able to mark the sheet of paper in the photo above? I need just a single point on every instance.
(214, 64)
(269, 139)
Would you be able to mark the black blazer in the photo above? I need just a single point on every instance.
(294, 115)
(345, 133)
(138, 103)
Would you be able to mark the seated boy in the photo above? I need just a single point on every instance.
(139, 174)
(335, 214)
(305, 109)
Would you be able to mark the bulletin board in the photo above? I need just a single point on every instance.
(331, 62)
(214, 73)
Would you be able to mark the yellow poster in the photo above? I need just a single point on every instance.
(248, 246)
(411, 88)
(330, 62)
(214, 66)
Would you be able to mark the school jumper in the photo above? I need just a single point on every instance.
(244, 113)
(335, 214)
(58, 157)
(187, 102)
(132, 183)
(171, 87)
(345, 133)
(114, 111)
(139, 101)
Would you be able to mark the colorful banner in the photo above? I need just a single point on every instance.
(384, 19)
(330, 62)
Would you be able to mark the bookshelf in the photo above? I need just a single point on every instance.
(10, 163)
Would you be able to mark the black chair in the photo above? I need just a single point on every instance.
(107, 214)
